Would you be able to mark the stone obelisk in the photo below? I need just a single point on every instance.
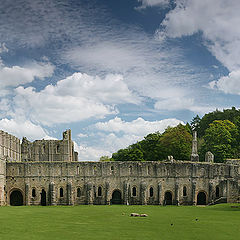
(194, 155)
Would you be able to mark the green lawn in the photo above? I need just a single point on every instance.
(114, 222)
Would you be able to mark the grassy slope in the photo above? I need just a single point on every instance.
(113, 222)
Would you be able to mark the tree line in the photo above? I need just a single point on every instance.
(218, 132)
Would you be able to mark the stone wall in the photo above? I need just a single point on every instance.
(49, 150)
(76, 183)
(10, 146)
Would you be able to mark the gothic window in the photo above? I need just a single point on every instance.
(151, 191)
(57, 149)
(112, 169)
(184, 191)
(78, 192)
(33, 192)
(99, 191)
(61, 192)
(78, 170)
(217, 192)
(134, 192)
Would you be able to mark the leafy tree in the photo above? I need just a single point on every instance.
(105, 159)
(176, 141)
(221, 139)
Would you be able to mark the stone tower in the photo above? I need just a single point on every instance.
(194, 155)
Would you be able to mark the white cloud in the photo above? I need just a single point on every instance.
(218, 22)
(153, 3)
(20, 128)
(16, 75)
(3, 48)
(228, 84)
(90, 153)
(73, 99)
(139, 127)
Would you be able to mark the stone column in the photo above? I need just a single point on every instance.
(27, 194)
(143, 199)
(52, 194)
(89, 189)
(107, 202)
(194, 155)
(193, 193)
(159, 193)
(69, 194)
(125, 193)
(176, 193)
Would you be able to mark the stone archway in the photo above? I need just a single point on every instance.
(43, 198)
(201, 198)
(116, 197)
(16, 198)
(168, 198)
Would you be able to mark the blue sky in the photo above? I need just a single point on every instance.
(114, 71)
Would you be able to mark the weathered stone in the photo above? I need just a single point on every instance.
(54, 177)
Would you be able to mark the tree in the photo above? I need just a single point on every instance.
(105, 159)
(195, 123)
(176, 141)
(221, 139)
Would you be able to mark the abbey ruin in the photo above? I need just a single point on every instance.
(47, 172)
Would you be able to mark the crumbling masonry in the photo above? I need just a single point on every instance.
(46, 172)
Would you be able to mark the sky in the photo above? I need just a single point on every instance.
(114, 71)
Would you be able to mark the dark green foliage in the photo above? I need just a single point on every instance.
(220, 139)
(174, 141)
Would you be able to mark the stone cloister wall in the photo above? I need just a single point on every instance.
(87, 177)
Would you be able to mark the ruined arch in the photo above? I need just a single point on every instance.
(168, 198)
(16, 197)
(201, 198)
(116, 197)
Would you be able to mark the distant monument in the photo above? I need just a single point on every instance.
(209, 157)
(194, 155)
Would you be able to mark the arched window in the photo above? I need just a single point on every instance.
(57, 149)
(112, 169)
(78, 170)
(217, 192)
(151, 191)
(99, 191)
(33, 192)
(61, 192)
(134, 192)
(184, 191)
(78, 192)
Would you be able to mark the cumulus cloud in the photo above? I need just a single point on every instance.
(228, 84)
(16, 75)
(76, 98)
(20, 128)
(138, 127)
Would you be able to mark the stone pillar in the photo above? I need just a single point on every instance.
(52, 194)
(107, 202)
(125, 193)
(194, 155)
(143, 188)
(89, 189)
(27, 194)
(210, 193)
(159, 193)
(69, 194)
(176, 193)
(193, 193)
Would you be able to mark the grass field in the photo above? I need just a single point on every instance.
(113, 222)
